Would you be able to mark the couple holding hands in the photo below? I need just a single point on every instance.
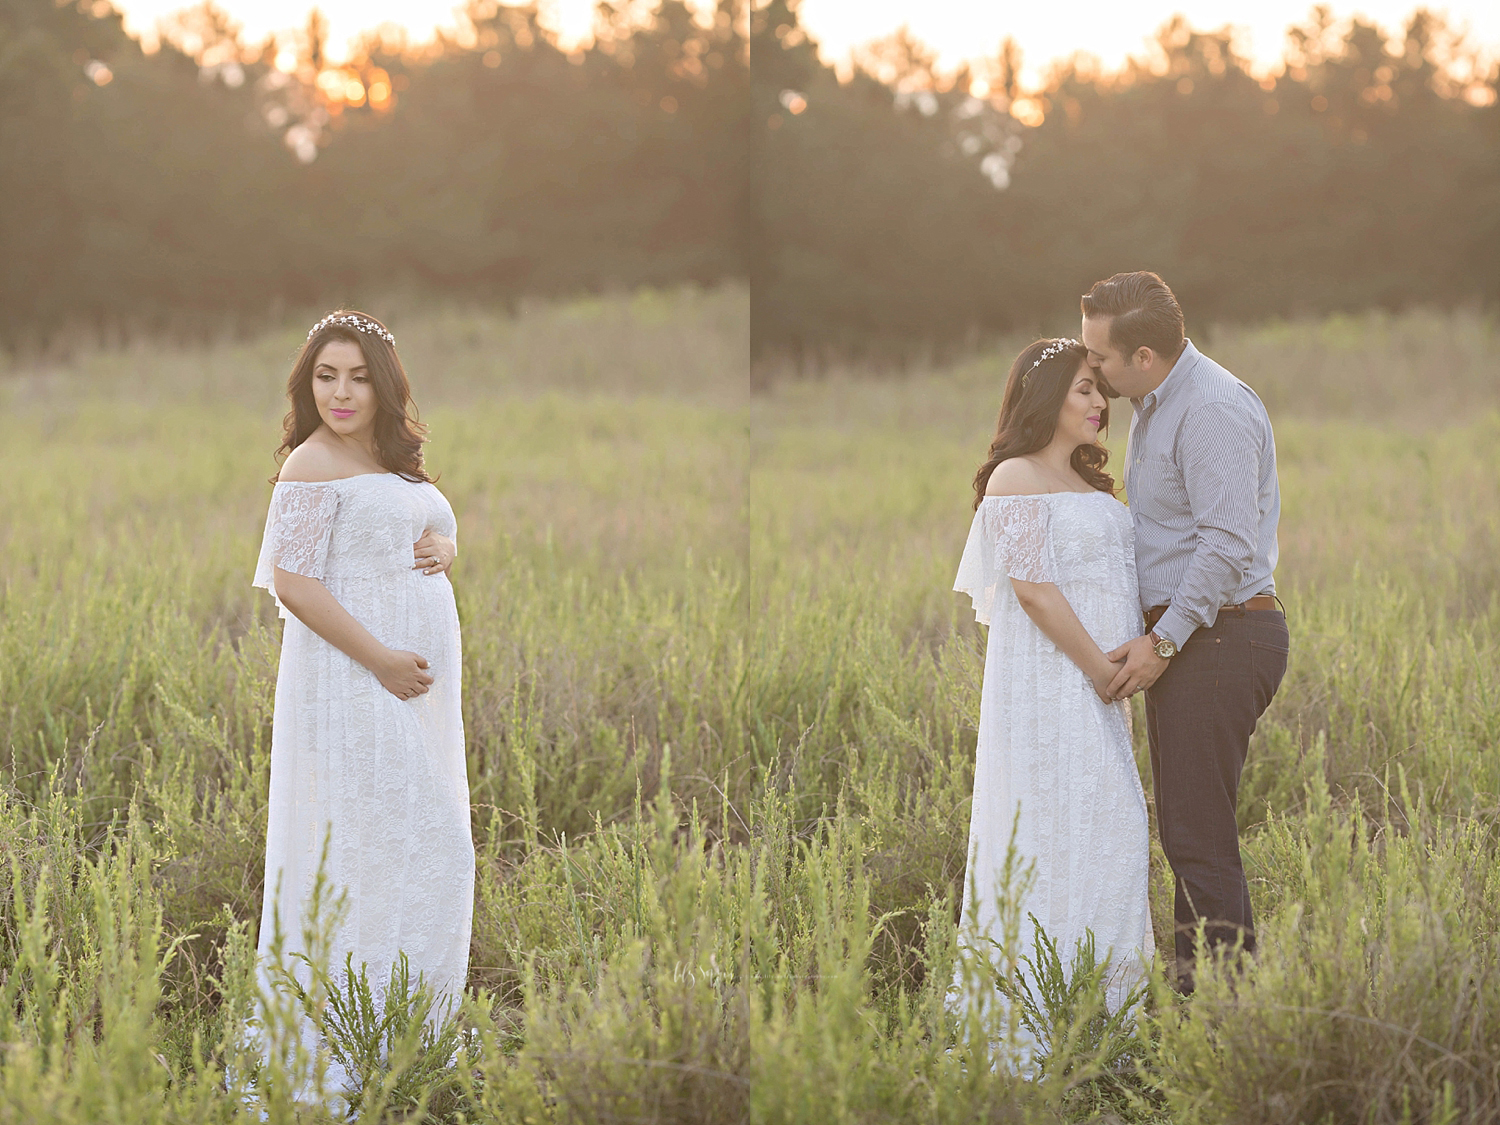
(1090, 602)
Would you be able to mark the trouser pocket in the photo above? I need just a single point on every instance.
(1269, 651)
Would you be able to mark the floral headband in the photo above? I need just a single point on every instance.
(1056, 348)
(355, 321)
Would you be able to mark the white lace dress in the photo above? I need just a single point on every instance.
(1048, 746)
(385, 779)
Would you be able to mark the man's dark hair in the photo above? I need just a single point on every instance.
(1142, 312)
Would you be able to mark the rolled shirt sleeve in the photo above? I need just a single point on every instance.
(1219, 455)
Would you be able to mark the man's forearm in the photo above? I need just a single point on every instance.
(1213, 577)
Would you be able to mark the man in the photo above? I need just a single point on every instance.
(1200, 473)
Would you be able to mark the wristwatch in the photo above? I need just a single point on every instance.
(1164, 648)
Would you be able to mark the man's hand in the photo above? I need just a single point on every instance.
(1142, 667)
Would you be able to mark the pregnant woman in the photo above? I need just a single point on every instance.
(367, 743)
(1050, 566)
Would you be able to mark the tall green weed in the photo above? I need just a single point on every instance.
(721, 713)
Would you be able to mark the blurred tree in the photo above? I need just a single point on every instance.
(875, 230)
(1367, 173)
(201, 184)
(898, 212)
(134, 190)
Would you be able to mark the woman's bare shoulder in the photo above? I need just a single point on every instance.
(1016, 476)
(315, 462)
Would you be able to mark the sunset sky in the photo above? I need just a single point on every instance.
(957, 29)
(1107, 29)
(347, 18)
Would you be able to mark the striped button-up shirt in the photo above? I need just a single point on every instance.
(1200, 474)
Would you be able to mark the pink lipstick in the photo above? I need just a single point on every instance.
(337, 413)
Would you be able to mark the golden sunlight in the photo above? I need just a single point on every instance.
(417, 21)
(961, 30)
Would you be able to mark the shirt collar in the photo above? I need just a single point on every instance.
(1185, 362)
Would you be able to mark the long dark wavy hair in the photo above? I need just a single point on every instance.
(398, 433)
(1028, 415)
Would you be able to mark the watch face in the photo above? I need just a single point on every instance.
(1166, 649)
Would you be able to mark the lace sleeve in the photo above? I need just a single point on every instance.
(1008, 539)
(296, 536)
(1023, 544)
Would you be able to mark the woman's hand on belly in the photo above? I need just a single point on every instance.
(434, 553)
(403, 674)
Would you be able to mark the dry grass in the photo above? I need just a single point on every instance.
(720, 706)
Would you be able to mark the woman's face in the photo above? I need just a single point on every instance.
(1083, 411)
(342, 390)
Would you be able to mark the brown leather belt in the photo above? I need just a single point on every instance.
(1260, 601)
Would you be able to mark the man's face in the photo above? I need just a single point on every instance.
(1106, 359)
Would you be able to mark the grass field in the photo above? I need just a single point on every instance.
(720, 707)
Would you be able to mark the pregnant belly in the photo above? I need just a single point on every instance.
(405, 610)
(1111, 617)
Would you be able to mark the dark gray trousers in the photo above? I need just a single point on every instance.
(1199, 718)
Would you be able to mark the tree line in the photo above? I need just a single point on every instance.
(211, 182)
(889, 214)
(897, 213)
